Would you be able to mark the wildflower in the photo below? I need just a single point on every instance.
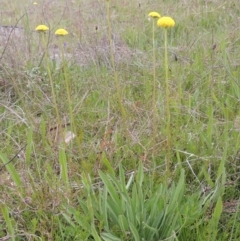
(61, 32)
(41, 28)
(35, 3)
(165, 22)
(154, 15)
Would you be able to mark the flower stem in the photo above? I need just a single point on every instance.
(154, 107)
(168, 114)
(51, 83)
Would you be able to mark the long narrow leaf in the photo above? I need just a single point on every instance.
(140, 175)
(110, 187)
(12, 171)
(107, 163)
(134, 232)
(64, 168)
(216, 217)
(177, 192)
(5, 213)
(95, 234)
(29, 146)
(109, 237)
(122, 179)
(123, 223)
(104, 208)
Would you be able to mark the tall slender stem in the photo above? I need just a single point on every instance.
(51, 82)
(168, 114)
(154, 107)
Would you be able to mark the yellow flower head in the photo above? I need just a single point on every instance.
(35, 3)
(165, 22)
(61, 32)
(154, 15)
(41, 28)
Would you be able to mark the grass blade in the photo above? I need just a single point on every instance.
(12, 171)
(134, 232)
(5, 213)
(64, 168)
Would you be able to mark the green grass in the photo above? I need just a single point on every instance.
(109, 182)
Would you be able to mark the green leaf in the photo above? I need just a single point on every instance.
(122, 179)
(95, 234)
(177, 192)
(134, 232)
(113, 211)
(151, 231)
(123, 223)
(110, 237)
(12, 171)
(5, 213)
(218, 210)
(110, 187)
(140, 175)
(29, 146)
(107, 163)
(104, 208)
(64, 168)
(216, 217)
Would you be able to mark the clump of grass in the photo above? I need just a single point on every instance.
(133, 208)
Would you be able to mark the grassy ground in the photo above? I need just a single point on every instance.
(57, 187)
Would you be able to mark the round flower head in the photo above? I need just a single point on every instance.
(166, 22)
(41, 28)
(154, 15)
(35, 3)
(61, 32)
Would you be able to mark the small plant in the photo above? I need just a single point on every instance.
(135, 209)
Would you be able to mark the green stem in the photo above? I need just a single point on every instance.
(168, 114)
(67, 86)
(51, 83)
(154, 107)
